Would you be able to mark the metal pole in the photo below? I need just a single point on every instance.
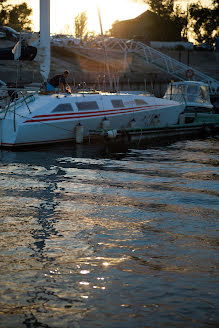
(105, 52)
(45, 38)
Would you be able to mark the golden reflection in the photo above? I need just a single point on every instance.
(84, 271)
(98, 287)
(55, 272)
(100, 260)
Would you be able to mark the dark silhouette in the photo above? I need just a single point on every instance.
(149, 26)
(205, 21)
(16, 16)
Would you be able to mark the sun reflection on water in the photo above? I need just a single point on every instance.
(126, 241)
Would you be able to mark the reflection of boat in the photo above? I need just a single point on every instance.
(37, 118)
(194, 94)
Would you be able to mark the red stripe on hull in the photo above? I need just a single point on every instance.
(77, 116)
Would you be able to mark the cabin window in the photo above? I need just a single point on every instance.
(140, 102)
(192, 89)
(63, 108)
(192, 92)
(203, 93)
(87, 105)
(117, 103)
(182, 89)
(171, 91)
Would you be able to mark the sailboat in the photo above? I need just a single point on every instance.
(37, 118)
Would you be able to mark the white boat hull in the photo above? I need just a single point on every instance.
(43, 125)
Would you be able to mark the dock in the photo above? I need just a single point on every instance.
(190, 125)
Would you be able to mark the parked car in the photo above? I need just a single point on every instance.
(204, 47)
(27, 53)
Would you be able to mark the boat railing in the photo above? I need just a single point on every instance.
(16, 94)
(15, 98)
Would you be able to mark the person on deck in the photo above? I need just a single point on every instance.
(59, 80)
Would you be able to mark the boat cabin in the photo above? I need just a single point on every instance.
(194, 94)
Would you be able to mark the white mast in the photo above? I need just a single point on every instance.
(45, 38)
(105, 51)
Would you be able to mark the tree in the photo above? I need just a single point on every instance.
(81, 24)
(3, 12)
(171, 14)
(205, 21)
(163, 8)
(15, 16)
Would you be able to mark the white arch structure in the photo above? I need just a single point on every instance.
(153, 57)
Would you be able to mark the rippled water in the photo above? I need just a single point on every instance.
(101, 238)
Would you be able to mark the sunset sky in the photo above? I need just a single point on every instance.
(64, 11)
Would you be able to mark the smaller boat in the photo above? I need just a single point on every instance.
(194, 94)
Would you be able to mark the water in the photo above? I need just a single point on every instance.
(96, 237)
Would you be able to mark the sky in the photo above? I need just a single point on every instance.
(63, 12)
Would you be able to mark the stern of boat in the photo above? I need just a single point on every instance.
(8, 132)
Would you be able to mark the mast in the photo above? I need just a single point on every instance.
(45, 38)
(105, 51)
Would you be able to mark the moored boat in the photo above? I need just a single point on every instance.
(38, 118)
(194, 94)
